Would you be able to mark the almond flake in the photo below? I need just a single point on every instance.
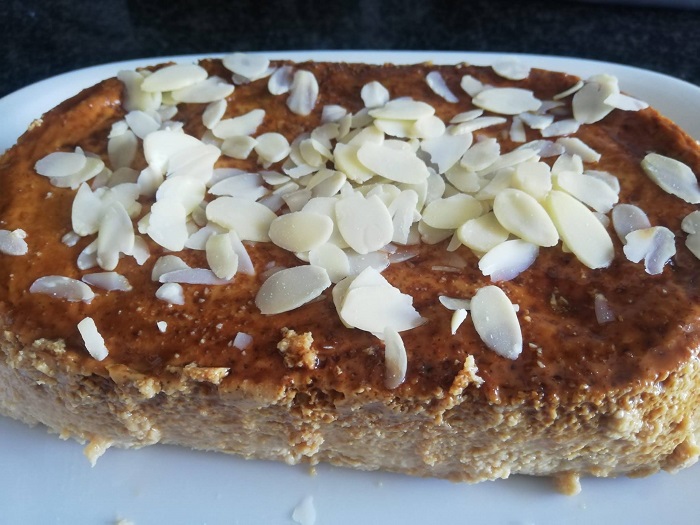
(110, 281)
(161, 146)
(171, 293)
(246, 124)
(245, 185)
(60, 164)
(162, 326)
(115, 236)
(364, 223)
(374, 95)
(213, 114)
(94, 343)
(451, 212)
(437, 83)
(204, 92)
(692, 242)
(569, 91)
(373, 304)
(589, 104)
(395, 358)
(561, 127)
(534, 178)
(301, 231)
(400, 165)
(291, 288)
(446, 150)
(672, 176)
(13, 243)
(603, 311)
(466, 116)
(590, 190)
(471, 85)
(167, 225)
(476, 124)
(507, 260)
(272, 147)
(303, 93)
(580, 230)
(453, 303)
(627, 218)
(174, 77)
(482, 233)
(517, 130)
(136, 97)
(122, 149)
(62, 288)
(248, 66)
(481, 155)
(403, 109)
(458, 317)
(250, 220)
(141, 123)
(625, 102)
(186, 191)
(496, 322)
(690, 224)
(512, 69)
(221, 257)
(506, 101)
(656, 245)
(536, 121)
(193, 276)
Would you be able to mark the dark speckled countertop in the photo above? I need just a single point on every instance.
(42, 38)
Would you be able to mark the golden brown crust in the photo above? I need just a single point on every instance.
(628, 384)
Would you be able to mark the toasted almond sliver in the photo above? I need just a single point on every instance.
(580, 230)
(177, 76)
(672, 176)
(506, 101)
(395, 358)
(62, 288)
(94, 343)
(496, 322)
(291, 288)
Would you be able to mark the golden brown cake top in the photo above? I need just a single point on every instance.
(566, 349)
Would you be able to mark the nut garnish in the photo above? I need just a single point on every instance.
(94, 343)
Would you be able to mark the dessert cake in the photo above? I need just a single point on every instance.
(452, 271)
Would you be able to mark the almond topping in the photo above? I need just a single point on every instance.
(672, 176)
(174, 77)
(63, 288)
(291, 288)
(94, 343)
(507, 101)
(13, 243)
(395, 359)
(496, 322)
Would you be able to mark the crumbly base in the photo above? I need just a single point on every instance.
(635, 432)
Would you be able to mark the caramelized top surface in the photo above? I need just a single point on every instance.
(565, 348)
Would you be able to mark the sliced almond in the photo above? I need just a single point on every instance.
(482, 233)
(301, 231)
(251, 220)
(221, 257)
(374, 94)
(63, 288)
(395, 358)
(458, 317)
(246, 124)
(507, 260)
(582, 232)
(627, 218)
(400, 165)
(13, 243)
(656, 245)
(507, 101)
(94, 343)
(672, 176)
(303, 93)
(364, 223)
(171, 293)
(590, 190)
(177, 76)
(291, 288)
(437, 83)
(110, 281)
(496, 322)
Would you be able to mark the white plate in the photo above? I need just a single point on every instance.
(46, 480)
